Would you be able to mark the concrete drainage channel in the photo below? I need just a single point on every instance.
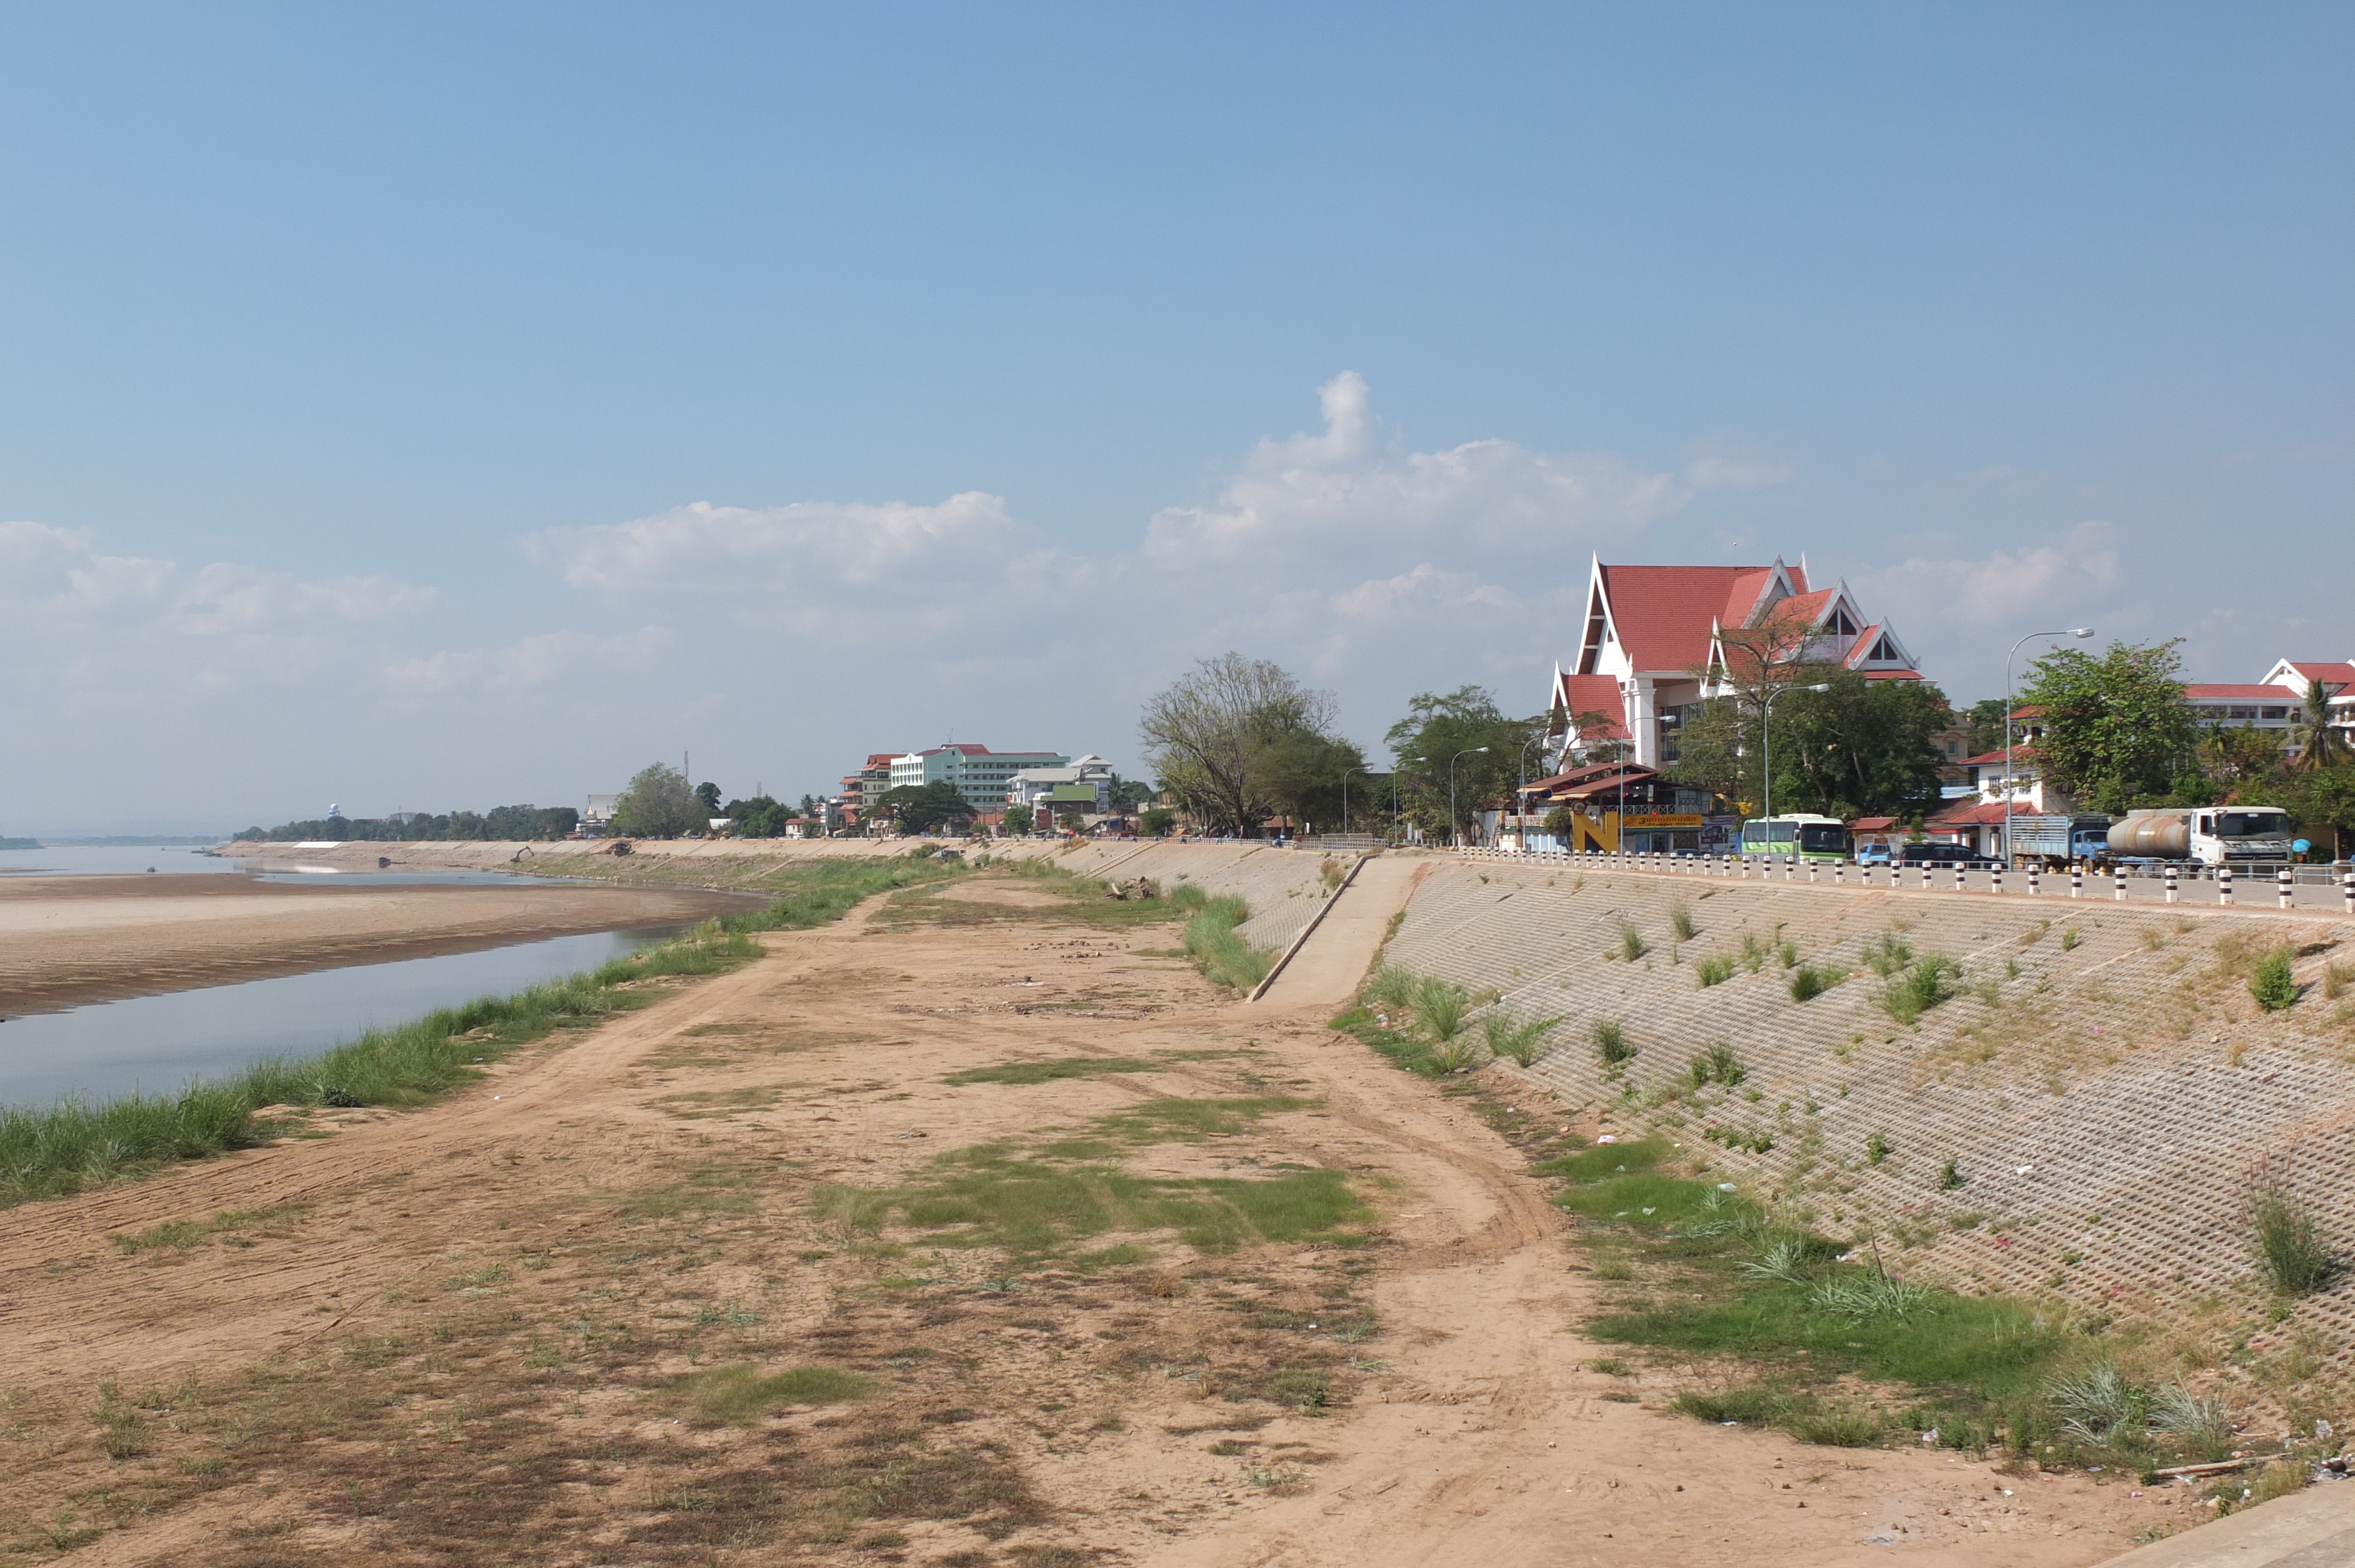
(1325, 908)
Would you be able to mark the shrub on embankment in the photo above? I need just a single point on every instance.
(49, 1152)
(1211, 940)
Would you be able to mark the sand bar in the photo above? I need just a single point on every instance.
(70, 941)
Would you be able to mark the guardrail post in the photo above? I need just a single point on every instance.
(2170, 885)
(2119, 878)
(2223, 885)
(2287, 885)
(1995, 880)
(2347, 889)
(2077, 880)
(1814, 869)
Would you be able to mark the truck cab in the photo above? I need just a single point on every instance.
(2221, 834)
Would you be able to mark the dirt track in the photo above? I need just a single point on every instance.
(459, 1334)
(67, 940)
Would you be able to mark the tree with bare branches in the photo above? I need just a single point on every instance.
(1211, 735)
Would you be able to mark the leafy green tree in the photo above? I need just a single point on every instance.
(709, 793)
(920, 808)
(1218, 735)
(1439, 727)
(1157, 822)
(658, 805)
(1864, 748)
(2236, 756)
(1986, 727)
(1301, 775)
(1018, 821)
(1129, 794)
(2116, 732)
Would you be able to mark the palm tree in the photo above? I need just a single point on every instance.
(2321, 747)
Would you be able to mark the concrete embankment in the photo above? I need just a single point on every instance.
(2083, 1117)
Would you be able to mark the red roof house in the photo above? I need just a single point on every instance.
(1658, 639)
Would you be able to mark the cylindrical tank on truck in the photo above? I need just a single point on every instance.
(2207, 835)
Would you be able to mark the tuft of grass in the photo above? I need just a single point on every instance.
(1887, 955)
(1809, 982)
(2070, 938)
(1800, 1414)
(1876, 1149)
(1632, 945)
(1611, 1042)
(2290, 1247)
(1439, 1010)
(2336, 980)
(1715, 970)
(2273, 984)
(740, 1395)
(1754, 952)
(1519, 1044)
(1922, 985)
(1788, 953)
(1391, 989)
(1722, 1064)
(1680, 921)
(1950, 1175)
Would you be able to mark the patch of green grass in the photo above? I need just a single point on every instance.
(1809, 981)
(1519, 1044)
(1920, 986)
(993, 1196)
(741, 1394)
(1680, 921)
(1715, 970)
(1211, 939)
(1802, 1414)
(1048, 1071)
(1632, 945)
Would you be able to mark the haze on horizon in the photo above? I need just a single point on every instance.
(445, 409)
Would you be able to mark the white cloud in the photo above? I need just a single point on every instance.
(530, 661)
(1340, 491)
(2003, 588)
(58, 573)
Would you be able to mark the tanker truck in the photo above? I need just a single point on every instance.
(2203, 835)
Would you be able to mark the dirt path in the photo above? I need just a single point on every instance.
(478, 1332)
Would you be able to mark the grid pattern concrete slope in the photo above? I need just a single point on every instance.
(1282, 887)
(2101, 1080)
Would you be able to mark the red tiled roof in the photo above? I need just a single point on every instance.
(1596, 694)
(2019, 753)
(2342, 675)
(2229, 693)
(1663, 613)
(1807, 607)
(1965, 816)
(880, 759)
(1743, 598)
(1872, 824)
(1891, 675)
(1610, 773)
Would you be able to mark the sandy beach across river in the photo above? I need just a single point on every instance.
(69, 940)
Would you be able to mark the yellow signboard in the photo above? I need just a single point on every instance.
(1664, 821)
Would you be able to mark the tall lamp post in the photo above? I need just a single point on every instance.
(1521, 795)
(2078, 631)
(1454, 821)
(1346, 775)
(1396, 769)
(1766, 750)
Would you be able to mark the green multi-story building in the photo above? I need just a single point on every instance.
(979, 773)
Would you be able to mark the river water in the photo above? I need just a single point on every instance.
(157, 1044)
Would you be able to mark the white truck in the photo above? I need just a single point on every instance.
(2203, 835)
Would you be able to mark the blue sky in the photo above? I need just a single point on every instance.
(463, 405)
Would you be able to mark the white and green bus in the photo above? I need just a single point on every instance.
(1802, 833)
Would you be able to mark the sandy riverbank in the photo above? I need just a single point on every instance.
(69, 940)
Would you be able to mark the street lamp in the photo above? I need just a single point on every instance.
(1454, 821)
(1766, 752)
(1521, 795)
(1345, 798)
(2078, 631)
(1396, 769)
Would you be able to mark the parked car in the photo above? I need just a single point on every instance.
(1945, 855)
(1873, 854)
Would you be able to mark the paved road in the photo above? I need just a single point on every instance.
(2249, 892)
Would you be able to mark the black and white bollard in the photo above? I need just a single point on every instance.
(2077, 880)
(2286, 885)
(2118, 878)
(1925, 876)
(2223, 885)
(2170, 885)
(2347, 890)
(1962, 884)
(1995, 879)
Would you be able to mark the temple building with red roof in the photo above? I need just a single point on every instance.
(1658, 640)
